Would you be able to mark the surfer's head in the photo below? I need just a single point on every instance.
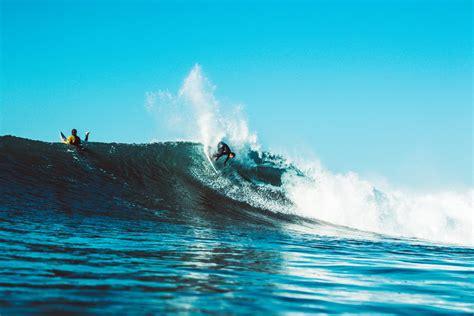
(232, 155)
(74, 132)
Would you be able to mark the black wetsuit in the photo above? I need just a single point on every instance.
(222, 149)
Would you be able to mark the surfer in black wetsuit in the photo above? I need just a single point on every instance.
(223, 150)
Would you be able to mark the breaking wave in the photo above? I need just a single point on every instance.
(118, 179)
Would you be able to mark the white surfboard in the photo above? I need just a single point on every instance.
(63, 138)
(209, 159)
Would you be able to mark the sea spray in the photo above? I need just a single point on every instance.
(195, 114)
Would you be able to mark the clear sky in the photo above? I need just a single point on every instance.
(383, 88)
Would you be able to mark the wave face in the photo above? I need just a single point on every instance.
(173, 176)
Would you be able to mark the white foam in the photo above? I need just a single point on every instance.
(346, 199)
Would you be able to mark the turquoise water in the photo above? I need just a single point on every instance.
(90, 264)
(122, 229)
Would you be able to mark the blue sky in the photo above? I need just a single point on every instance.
(383, 88)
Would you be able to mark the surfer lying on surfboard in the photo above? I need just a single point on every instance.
(74, 139)
(222, 150)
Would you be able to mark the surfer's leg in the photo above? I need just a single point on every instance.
(218, 154)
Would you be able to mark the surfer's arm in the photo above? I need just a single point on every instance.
(225, 162)
(87, 136)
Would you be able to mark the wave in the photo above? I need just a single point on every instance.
(113, 179)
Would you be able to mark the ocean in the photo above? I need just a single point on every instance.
(152, 229)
